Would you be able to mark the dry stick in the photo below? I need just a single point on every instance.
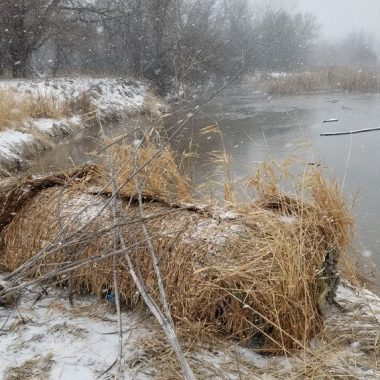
(114, 257)
(160, 317)
(152, 251)
(350, 132)
(186, 369)
(114, 268)
(62, 232)
(157, 313)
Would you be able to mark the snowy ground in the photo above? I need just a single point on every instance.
(56, 341)
(111, 99)
(109, 95)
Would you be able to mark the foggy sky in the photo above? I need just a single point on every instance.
(339, 17)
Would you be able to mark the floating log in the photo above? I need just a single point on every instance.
(350, 132)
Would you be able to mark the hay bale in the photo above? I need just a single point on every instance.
(258, 275)
(14, 191)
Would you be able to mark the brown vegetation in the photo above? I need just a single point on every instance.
(332, 79)
(260, 276)
(16, 110)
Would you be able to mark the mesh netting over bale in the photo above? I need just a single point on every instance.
(259, 272)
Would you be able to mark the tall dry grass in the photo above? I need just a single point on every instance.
(332, 79)
(16, 109)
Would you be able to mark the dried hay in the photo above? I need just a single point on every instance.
(14, 192)
(348, 347)
(16, 110)
(260, 276)
(331, 79)
(38, 368)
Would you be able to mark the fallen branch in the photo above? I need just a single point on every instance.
(350, 132)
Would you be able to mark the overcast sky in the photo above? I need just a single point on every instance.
(339, 17)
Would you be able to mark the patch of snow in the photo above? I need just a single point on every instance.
(287, 219)
(137, 142)
(367, 253)
(10, 139)
(257, 360)
(355, 345)
(44, 125)
(53, 127)
(277, 75)
(85, 208)
(109, 96)
(82, 340)
(228, 215)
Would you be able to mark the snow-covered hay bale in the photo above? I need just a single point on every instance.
(259, 273)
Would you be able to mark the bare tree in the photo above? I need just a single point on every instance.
(284, 39)
(166, 41)
(27, 26)
(358, 49)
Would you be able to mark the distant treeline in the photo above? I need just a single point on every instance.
(167, 41)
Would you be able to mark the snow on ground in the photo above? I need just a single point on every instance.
(9, 139)
(56, 341)
(78, 342)
(33, 136)
(53, 127)
(109, 98)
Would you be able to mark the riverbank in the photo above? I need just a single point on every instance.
(325, 80)
(34, 114)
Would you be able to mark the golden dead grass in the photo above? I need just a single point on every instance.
(15, 110)
(31, 369)
(261, 277)
(336, 79)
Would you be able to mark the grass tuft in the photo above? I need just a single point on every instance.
(14, 111)
(332, 79)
